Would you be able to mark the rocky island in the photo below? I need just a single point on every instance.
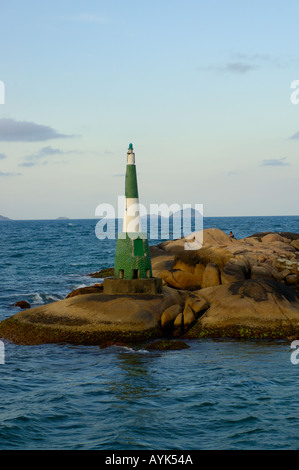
(246, 288)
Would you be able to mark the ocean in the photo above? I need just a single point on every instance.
(219, 394)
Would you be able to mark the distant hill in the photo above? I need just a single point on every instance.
(183, 212)
(2, 218)
(62, 218)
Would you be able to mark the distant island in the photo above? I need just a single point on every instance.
(62, 218)
(2, 218)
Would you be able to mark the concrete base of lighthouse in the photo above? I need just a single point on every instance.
(152, 286)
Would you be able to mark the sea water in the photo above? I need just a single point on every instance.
(218, 394)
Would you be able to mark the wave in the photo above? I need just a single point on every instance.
(44, 298)
(128, 349)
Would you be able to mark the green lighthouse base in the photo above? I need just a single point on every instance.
(132, 257)
(132, 267)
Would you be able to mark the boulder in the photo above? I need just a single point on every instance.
(273, 237)
(235, 259)
(292, 265)
(23, 304)
(264, 272)
(197, 303)
(86, 290)
(178, 325)
(234, 270)
(199, 270)
(288, 235)
(103, 273)
(161, 259)
(188, 260)
(92, 319)
(181, 279)
(295, 244)
(188, 317)
(169, 315)
(292, 280)
(211, 276)
(214, 236)
(252, 308)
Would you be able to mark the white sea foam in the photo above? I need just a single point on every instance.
(44, 298)
(37, 299)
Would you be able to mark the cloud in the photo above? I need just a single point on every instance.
(295, 136)
(2, 156)
(28, 164)
(275, 162)
(241, 64)
(35, 158)
(23, 131)
(45, 152)
(2, 173)
(277, 62)
(238, 68)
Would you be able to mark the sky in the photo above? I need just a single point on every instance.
(201, 88)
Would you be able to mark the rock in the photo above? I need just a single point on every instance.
(264, 272)
(291, 280)
(197, 303)
(214, 236)
(252, 308)
(169, 315)
(211, 276)
(92, 319)
(22, 304)
(283, 274)
(199, 271)
(188, 317)
(234, 270)
(178, 325)
(234, 258)
(188, 260)
(103, 273)
(272, 237)
(161, 263)
(171, 247)
(161, 259)
(97, 288)
(163, 345)
(287, 235)
(295, 244)
(292, 265)
(181, 279)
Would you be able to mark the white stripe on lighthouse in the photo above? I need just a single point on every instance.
(131, 216)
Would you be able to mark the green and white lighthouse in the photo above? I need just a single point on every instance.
(132, 256)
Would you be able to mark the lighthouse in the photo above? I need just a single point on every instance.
(132, 264)
(131, 221)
